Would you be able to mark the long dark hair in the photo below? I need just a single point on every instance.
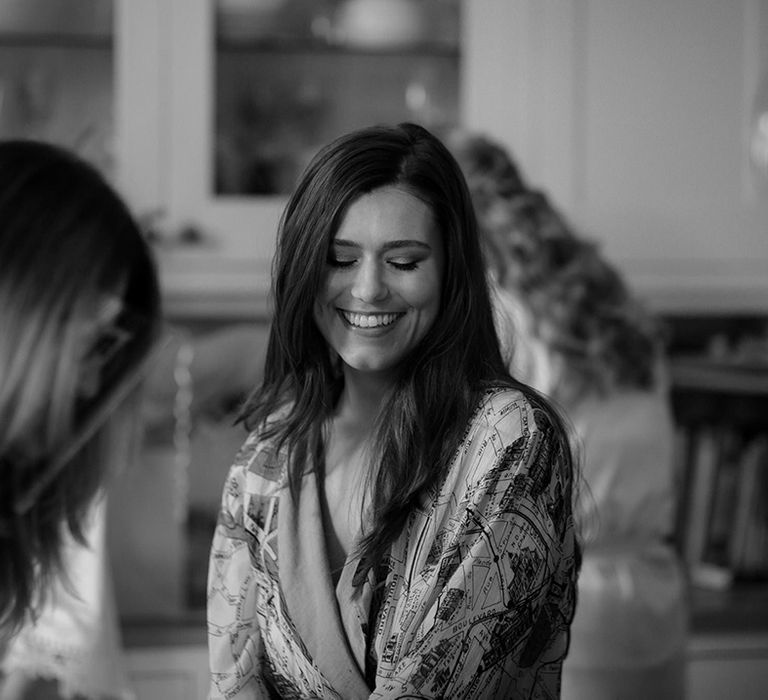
(67, 243)
(439, 384)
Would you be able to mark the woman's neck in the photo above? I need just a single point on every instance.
(349, 445)
(363, 395)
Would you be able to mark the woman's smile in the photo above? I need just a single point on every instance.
(370, 321)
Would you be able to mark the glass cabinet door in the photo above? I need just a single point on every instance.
(291, 75)
(56, 75)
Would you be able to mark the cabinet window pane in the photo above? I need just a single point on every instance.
(293, 74)
(56, 74)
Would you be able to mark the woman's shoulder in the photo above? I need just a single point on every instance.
(511, 436)
(261, 461)
(510, 409)
(511, 419)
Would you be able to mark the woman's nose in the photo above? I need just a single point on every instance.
(369, 284)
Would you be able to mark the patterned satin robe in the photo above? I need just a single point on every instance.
(475, 600)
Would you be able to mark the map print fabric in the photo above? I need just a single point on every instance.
(474, 601)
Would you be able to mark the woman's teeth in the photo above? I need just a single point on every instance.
(369, 320)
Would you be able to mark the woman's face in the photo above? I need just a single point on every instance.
(100, 343)
(381, 292)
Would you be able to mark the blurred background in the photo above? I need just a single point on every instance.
(646, 122)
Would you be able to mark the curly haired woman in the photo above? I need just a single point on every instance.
(575, 332)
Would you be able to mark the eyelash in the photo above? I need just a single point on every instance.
(412, 265)
(402, 266)
(333, 262)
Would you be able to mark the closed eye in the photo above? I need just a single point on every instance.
(340, 262)
(404, 264)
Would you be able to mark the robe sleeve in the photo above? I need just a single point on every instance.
(235, 647)
(492, 603)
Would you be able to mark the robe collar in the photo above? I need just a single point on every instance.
(328, 621)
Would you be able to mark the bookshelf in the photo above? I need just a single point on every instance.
(721, 407)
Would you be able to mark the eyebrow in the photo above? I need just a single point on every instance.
(389, 245)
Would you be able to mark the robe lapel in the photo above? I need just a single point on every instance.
(305, 578)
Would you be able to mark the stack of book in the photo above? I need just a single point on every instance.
(722, 525)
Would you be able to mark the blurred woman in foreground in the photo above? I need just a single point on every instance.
(80, 307)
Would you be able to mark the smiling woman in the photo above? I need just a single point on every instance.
(381, 293)
(398, 523)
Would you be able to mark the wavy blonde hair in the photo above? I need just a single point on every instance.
(596, 334)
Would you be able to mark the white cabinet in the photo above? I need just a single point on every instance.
(636, 118)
